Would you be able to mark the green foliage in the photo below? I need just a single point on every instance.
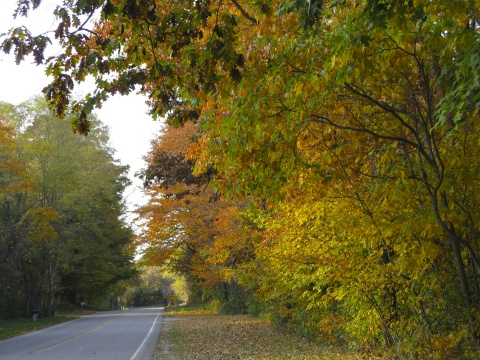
(151, 287)
(233, 298)
(61, 213)
(463, 78)
(256, 308)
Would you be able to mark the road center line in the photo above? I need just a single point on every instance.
(74, 338)
(146, 338)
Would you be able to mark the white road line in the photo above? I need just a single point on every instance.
(134, 356)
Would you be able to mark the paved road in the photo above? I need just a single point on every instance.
(113, 335)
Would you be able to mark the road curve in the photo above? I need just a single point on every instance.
(112, 335)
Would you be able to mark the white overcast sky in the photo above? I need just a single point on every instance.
(131, 129)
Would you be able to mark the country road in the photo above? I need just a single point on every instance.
(113, 335)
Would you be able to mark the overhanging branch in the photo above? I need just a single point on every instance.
(244, 13)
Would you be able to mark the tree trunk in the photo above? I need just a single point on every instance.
(462, 275)
(51, 290)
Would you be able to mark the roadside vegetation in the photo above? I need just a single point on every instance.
(203, 334)
(16, 327)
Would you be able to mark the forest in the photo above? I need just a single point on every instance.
(319, 162)
(65, 238)
(62, 236)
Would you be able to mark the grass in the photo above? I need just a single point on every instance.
(11, 328)
(203, 335)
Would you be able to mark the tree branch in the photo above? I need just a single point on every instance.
(244, 13)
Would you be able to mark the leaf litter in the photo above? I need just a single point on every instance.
(212, 337)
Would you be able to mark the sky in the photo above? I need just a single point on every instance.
(131, 129)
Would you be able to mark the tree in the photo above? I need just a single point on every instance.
(184, 221)
(152, 287)
(14, 182)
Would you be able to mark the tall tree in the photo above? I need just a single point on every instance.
(14, 183)
(181, 220)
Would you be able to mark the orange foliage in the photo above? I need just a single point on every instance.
(192, 227)
(12, 169)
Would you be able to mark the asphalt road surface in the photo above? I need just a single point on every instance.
(112, 335)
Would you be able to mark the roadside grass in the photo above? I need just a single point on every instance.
(200, 334)
(11, 328)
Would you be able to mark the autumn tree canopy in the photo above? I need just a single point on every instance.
(354, 125)
(184, 221)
